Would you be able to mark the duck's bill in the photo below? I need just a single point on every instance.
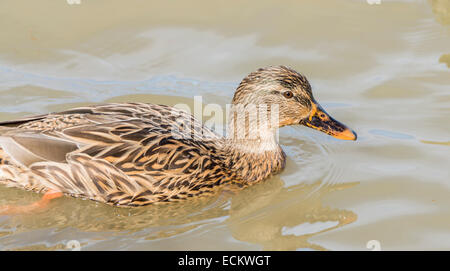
(320, 120)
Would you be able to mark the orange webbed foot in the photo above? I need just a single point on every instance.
(36, 206)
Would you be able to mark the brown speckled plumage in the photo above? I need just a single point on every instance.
(134, 154)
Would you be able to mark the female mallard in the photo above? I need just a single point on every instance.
(134, 154)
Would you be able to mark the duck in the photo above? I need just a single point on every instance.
(136, 154)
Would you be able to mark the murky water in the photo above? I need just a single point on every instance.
(382, 69)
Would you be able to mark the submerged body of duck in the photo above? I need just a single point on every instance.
(134, 154)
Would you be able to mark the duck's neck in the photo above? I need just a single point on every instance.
(253, 150)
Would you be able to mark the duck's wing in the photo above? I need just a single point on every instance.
(162, 117)
(97, 125)
(42, 138)
(131, 154)
(28, 147)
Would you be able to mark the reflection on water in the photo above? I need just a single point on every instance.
(255, 215)
(267, 214)
(441, 9)
(445, 59)
(434, 142)
(379, 68)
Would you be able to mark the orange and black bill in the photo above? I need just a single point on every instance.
(320, 120)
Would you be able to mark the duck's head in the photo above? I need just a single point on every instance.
(291, 92)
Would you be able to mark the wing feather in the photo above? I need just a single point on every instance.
(124, 154)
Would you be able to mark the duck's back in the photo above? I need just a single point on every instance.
(123, 154)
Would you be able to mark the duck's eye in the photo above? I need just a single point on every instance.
(288, 94)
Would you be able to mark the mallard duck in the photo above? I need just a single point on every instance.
(135, 154)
